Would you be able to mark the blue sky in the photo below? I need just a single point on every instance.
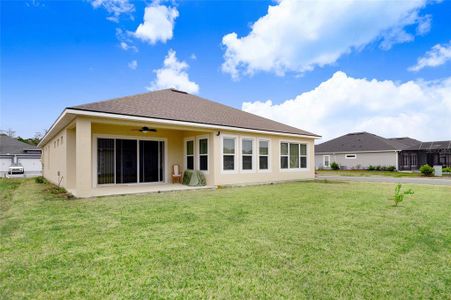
(56, 54)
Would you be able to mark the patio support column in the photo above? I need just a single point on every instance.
(83, 161)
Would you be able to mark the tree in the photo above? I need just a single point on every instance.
(9, 132)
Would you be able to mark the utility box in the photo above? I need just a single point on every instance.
(437, 170)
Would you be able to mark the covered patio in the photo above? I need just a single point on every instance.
(112, 157)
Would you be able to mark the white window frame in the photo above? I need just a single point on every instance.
(252, 139)
(350, 156)
(198, 155)
(299, 169)
(324, 161)
(185, 153)
(236, 168)
(284, 155)
(268, 155)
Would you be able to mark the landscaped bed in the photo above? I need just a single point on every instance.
(296, 240)
(374, 173)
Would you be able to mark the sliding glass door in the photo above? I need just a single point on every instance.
(105, 161)
(151, 161)
(129, 161)
(126, 161)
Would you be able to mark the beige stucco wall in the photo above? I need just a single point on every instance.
(76, 157)
(275, 173)
(54, 159)
(362, 160)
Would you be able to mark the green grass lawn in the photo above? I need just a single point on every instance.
(366, 173)
(296, 240)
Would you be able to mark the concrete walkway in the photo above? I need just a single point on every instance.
(433, 181)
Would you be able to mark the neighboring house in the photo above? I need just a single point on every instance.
(431, 153)
(125, 143)
(17, 153)
(359, 150)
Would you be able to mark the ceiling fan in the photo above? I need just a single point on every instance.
(145, 129)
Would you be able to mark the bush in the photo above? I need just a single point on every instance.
(446, 170)
(426, 170)
(371, 168)
(391, 168)
(40, 179)
(334, 166)
(378, 168)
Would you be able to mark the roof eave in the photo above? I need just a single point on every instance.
(86, 112)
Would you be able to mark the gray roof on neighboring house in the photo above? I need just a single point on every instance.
(403, 143)
(364, 141)
(436, 145)
(9, 145)
(171, 104)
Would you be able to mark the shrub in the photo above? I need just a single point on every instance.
(447, 170)
(426, 170)
(383, 168)
(334, 166)
(399, 196)
(391, 168)
(371, 168)
(378, 168)
(40, 179)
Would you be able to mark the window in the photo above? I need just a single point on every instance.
(247, 150)
(190, 154)
(293, 156)
(263, 155)
(350, 156)
(326, 161)
(203, 154)
(284, 155)
(228, 151)
(303, 155)
(62, 140)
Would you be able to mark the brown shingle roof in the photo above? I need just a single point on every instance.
(170, 104)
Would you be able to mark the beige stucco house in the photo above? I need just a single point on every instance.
(130, 144)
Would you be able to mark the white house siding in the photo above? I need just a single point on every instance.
(31, 164)
(362, 160)
(5, 163)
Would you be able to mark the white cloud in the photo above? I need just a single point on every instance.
(173, 75)
(437, 56)
(125, 42)
(301, 35)
(342, 104)
(158, 24)
(114, 7)
(133, 64)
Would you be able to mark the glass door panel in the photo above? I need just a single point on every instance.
(126, 161)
